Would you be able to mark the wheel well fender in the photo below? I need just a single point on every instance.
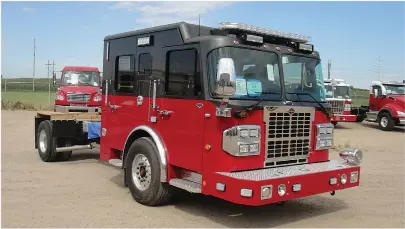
(385, 110)
(146, 131)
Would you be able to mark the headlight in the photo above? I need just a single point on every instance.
(254, 133)
(281, 189)
(59, 97)
(352, 156)
(400, 113)
(347, 107)
(243, 148)
(343, 178)
(97, 98)
(242, 140)
(244, 133)
(324, 136)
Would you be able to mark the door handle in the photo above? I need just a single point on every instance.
(165, 112)
(114, 107)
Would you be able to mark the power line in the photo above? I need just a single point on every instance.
(33, 71)
(379, 67)
(49, 81)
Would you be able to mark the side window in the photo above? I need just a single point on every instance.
(145, 64)
(377, 91)
(124, 74)
(183, 74)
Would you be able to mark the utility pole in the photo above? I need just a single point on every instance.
(379, 68)
(329, 65)
(33, 71)
(49, 81)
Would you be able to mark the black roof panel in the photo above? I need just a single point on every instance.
(187, 31)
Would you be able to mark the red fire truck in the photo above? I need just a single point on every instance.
(216, 111)
(339, 95)
(386, 104)
(79, 90)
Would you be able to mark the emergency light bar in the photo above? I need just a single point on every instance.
(271, 32)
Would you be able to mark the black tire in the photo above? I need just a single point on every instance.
(359, 118)
(65, 156)
(157, 193)
(334, 123)
(48, 154)
(385, 122)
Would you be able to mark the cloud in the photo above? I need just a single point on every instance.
(158, 13)
(29, 9)
(124, 5)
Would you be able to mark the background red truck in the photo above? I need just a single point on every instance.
(386, 104)
(79, 90)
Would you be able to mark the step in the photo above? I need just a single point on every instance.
(116, 162)
(186, 185)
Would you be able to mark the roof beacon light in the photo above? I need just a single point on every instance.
(306, 47)
(271, 32)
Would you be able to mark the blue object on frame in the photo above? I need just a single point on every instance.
(94, 130)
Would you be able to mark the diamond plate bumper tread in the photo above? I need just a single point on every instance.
(287, 171)
(186, 185)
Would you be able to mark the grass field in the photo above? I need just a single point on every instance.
(21, 92)
(38, 98)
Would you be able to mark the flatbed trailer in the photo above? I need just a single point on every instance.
(69, 132)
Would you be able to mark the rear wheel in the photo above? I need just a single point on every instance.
(142, 171)
(385, 122)
(47, 144)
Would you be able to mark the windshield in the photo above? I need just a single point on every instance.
(342, 92)
(256, 72)
(303, 75)
(80, 78)
(395, 89)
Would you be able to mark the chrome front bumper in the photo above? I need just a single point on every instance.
(402, 121)
(66, 109)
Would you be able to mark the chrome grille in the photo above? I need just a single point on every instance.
(78, 97)
(337, 106)
(288, 134)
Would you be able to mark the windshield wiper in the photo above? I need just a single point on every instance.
(250, 108)
(319, 103)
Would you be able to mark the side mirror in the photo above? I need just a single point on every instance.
(225, 83)
(375, 93)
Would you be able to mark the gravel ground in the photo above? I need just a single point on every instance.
(85, 192)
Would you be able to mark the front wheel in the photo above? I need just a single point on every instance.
(385, 122)
(142, 171)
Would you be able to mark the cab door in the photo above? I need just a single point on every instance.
(181, 109)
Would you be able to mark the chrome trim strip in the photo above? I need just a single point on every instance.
(162, 151)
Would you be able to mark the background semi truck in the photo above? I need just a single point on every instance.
(339, 95)
(386, 105)
(79, 89)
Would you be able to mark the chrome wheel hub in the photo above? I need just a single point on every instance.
(141, 172)
(384, 121)
(42, 141)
